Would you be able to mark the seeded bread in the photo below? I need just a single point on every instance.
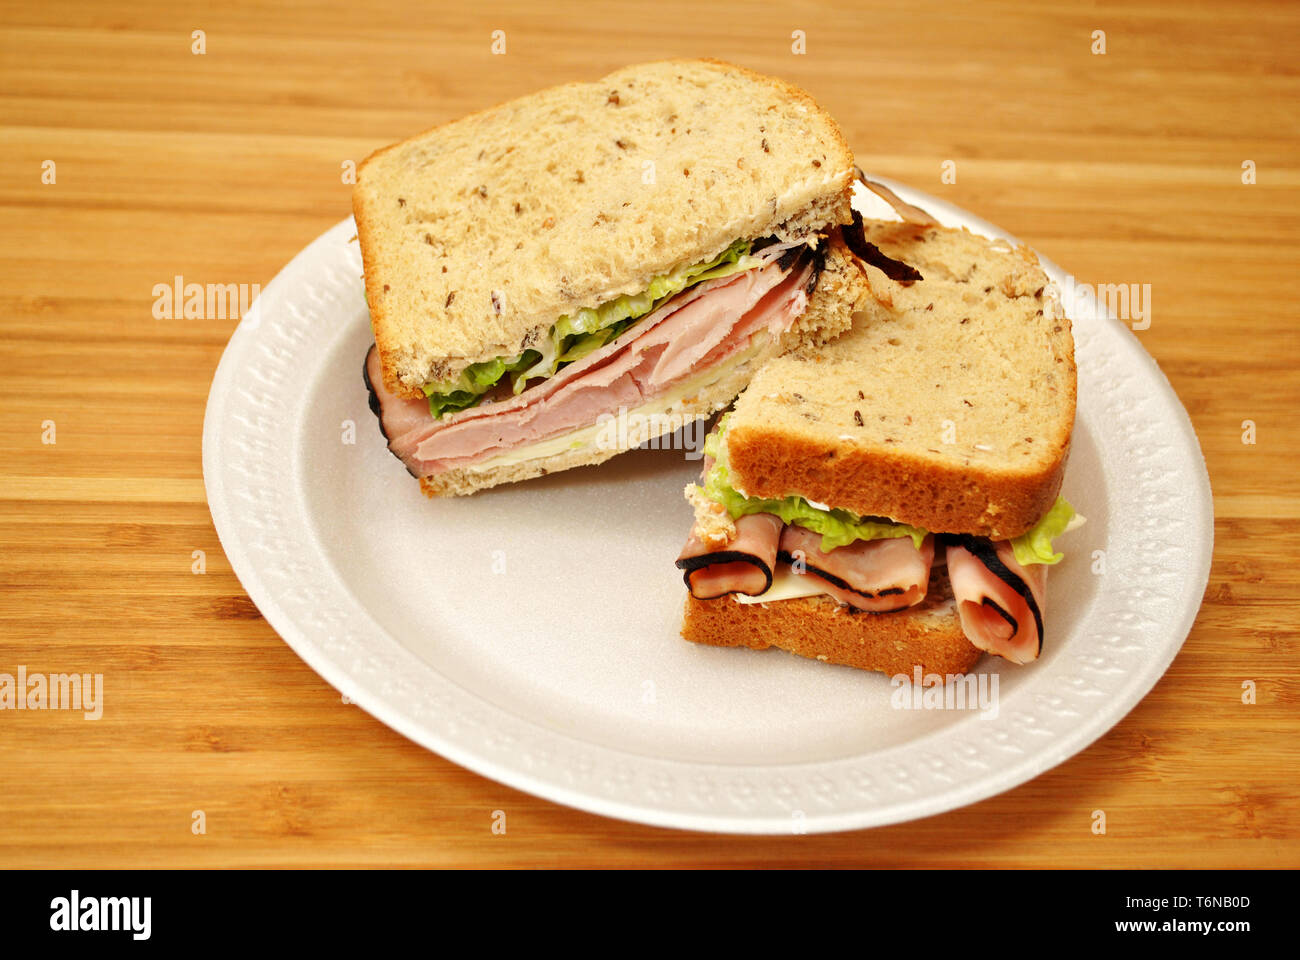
(928, 635)
(478, 235)
(841, 291)
(949, 405)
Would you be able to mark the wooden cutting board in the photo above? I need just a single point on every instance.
(1127, 166)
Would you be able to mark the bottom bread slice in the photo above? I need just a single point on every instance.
(928, 635)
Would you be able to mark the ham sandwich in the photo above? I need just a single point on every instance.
(640, 244)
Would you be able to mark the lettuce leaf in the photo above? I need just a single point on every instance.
(1035, 546)
(466, 390)
(837, 527)
(573, 337)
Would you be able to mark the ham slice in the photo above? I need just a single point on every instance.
(580, 367)
(627, 377)
(408, 430)
(698, 329)
(878, 576)
(742, 565)
(1000, 602)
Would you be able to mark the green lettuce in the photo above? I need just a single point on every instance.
(837, 527)
(573, 337)
(1035, 546)
(467, 389)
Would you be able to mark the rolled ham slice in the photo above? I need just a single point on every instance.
(743, 565)
(878, 576)
(1000, 602)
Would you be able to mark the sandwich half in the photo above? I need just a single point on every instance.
(634, 247)
(888, 500)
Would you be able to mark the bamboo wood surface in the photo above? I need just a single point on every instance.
(1124, 167)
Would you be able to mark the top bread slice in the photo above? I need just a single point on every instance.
(478, 235)
(949, 405)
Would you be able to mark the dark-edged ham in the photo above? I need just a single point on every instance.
(743, 564)
(999, 601)
(855, 238)
(397, 415)
(878, 576)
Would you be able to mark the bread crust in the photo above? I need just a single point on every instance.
(821, 629)
(790, 90)
(398, 357)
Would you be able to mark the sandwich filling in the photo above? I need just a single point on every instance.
(749, 296)
(573, 337)
(868, 564)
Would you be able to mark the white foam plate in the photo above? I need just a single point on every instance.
(530, 633)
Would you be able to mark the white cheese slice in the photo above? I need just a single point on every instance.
(786, 585)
